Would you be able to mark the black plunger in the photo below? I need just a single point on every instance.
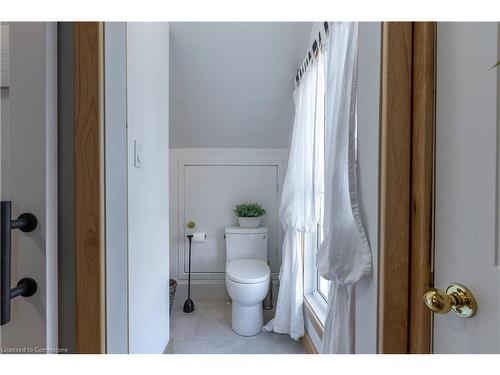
(189, 305)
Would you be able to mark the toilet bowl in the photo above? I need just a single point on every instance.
(247, 282)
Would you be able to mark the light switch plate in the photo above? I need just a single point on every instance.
(137, 155)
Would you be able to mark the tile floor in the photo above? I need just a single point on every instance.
(207, 330)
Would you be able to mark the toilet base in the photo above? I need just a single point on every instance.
(247, 320)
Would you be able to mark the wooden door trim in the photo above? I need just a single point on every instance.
(89, 187)
(395, 159)
(422, 175)
(406, 179)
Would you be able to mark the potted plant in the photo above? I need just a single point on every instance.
(249, 214)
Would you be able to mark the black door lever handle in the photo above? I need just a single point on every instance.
(26, 287)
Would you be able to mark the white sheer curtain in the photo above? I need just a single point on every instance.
(299, 208)
(344, 256)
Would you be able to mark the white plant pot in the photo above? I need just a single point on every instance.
(249, 222)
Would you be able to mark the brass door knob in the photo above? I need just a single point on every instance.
(456, 297)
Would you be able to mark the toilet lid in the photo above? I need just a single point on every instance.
(248, 271)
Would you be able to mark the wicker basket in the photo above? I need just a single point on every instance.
(172, 285)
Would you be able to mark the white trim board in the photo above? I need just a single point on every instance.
(179, 159)
(212, 290)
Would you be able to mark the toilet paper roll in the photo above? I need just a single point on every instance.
(199, 237)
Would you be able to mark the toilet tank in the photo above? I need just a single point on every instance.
(246, 243)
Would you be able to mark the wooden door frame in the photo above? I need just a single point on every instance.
(89, 187)
(406, 185)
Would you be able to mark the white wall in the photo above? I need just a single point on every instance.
(368, 174)
(148, 230)
(370, 38)
(115, 138)
(221, 179)
(232, 83)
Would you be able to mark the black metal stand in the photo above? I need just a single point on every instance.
(189, 305)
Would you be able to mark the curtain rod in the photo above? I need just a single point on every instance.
(316, 44)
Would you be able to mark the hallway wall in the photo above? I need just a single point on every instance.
(115, 138)
(136, 249)
(148, 228)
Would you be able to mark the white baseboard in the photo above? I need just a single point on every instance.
(213, 290)
(169, 348)
(199, 291)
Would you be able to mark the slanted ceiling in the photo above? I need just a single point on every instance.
(231, 83)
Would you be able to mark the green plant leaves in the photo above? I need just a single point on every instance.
(249, 210)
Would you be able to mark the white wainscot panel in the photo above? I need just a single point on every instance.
(206, 185)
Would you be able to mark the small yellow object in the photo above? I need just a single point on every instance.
(191, 224)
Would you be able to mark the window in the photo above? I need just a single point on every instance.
(316, 288)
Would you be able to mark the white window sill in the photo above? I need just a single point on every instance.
(318, 306)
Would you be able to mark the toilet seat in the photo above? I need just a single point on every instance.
(248, 271)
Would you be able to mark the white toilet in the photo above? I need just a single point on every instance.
(247, 277)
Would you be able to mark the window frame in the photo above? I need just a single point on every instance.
(318, 239)
(311, 293)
